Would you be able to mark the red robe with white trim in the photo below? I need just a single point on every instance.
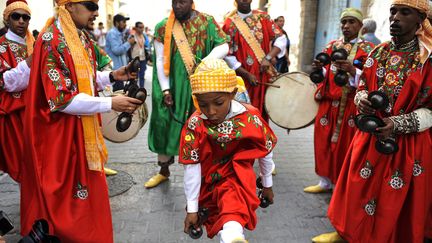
(388, 198)
(330, 150)
(226, 153)
(58, 185)
(11, 111)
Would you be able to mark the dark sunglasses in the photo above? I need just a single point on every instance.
(90, 6)
(17, 16)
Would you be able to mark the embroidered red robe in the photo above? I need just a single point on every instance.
(58, 186)
(265, 31)
(226, 153)
(387, 198)
(330, 148)
(11, 111)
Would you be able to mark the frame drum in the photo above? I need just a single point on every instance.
(109, 120)
(293, 105)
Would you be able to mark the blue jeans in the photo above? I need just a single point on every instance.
(141, 74)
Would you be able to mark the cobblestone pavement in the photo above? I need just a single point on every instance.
(156, 215)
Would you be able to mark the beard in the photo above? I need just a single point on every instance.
(183, 16)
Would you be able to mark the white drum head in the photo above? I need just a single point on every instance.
(293, 105)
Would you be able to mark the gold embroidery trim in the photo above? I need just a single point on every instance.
(184, 48)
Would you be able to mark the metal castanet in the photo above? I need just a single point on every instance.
(109, 123)
(203, 214)
(292, 105)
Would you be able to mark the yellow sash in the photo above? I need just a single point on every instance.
(251, 41)
(344, 98)
(249, 37)
(184, 48)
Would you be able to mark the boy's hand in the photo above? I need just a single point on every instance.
(191, 220)
(268, 194)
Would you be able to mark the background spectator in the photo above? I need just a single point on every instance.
(282, 60)
(139, 50)
(118, 42)
(100, 35)
(368, 31)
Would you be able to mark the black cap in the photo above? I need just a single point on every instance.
(119, 17)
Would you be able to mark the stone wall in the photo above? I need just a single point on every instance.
(308, 15)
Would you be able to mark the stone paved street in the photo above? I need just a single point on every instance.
(156, 215)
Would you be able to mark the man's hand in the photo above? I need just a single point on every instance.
(122, 74)
(346, 66)
(123, 103)
(247, 76)
(28, 60)
(168, 99)
(317, 65)
(386, 131)
(268, 194)
(131, 40)
(274, 61)
(252, 79)
(365, 107)
(191, 220)
(265, 65)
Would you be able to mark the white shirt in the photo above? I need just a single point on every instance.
(16, 79)
(100, 35)
(192, 172)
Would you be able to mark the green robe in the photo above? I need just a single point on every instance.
(203, 34)
(102, 58)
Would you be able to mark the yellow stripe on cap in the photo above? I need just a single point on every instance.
(213, 75)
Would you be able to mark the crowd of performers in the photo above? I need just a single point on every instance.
(52, 144)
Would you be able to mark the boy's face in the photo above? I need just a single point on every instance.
(215, 105)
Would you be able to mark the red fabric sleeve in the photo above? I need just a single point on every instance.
(57, 77)
(189, 149)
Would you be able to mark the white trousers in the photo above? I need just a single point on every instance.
(231, 230)
(325, 183)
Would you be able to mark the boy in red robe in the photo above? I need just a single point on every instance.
(64, 181)
(388, 197)
(218, 146)
(15, 47)
(334, 123)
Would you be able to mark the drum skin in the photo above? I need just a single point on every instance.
(293, 105)
(109, 120)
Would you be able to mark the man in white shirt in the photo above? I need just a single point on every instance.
(100, 35)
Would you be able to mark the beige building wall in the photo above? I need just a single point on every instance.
(107, 10)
